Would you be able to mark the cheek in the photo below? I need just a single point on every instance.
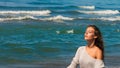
(89, 36)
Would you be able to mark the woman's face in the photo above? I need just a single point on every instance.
(89, 34)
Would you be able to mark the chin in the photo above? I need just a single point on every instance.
(87, 39)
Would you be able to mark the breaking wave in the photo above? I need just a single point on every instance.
(17, 18)
(38, 13)
(55, 18)
(87, 7)
(116, 18)
(101, 12)
(59, 17)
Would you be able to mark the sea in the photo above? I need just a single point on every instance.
(47, 33)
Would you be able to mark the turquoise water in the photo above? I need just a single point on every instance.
(46, 30)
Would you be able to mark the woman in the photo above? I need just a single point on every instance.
(91, 55)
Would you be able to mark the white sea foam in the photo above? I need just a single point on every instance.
(101, 12)
(58, 32)
(87, 7)
(58, 18)
(17, 18)
(67, 31)
(55, 18)
(70, 31)
(41, 13)
(116, 18)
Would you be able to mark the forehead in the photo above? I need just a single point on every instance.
(90, 29)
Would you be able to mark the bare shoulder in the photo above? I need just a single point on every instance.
(99, 54)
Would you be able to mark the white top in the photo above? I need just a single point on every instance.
(85, 60)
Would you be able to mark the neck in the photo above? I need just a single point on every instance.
(91, 43)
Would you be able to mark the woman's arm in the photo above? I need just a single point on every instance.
(99, 54)
(75, 60)
(99, 62)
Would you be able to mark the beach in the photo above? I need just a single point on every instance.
(47, 33)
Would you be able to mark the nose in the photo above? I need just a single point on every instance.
(85, 33)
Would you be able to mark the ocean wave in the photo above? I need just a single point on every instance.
(17, 18)
(38, 13)
(59, 17)
(101, 12)
(116, 18)
(87, 7)
(55, 18)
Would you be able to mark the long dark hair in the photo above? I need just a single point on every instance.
(99, 40)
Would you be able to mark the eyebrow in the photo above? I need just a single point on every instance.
(89, 31)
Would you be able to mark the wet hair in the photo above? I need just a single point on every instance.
(99, 40)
